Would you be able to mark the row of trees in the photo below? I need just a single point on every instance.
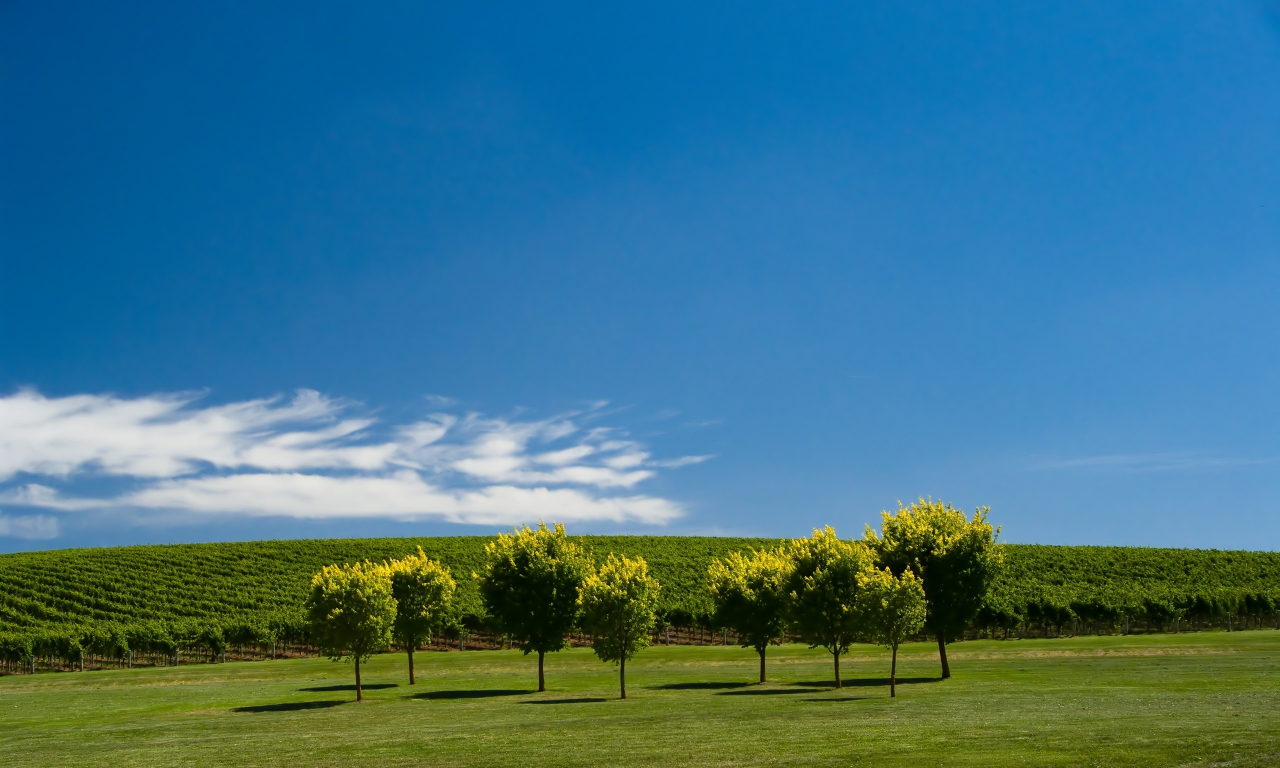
(125, 642)
(1048, 617)
(538, 585)
(188, 588)
(929, 568)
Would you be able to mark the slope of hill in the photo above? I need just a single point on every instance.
(222, 582)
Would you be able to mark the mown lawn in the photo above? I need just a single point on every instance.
(1210, 698)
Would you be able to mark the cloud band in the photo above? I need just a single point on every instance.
(306, 458)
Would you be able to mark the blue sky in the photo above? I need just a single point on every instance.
(321, 269)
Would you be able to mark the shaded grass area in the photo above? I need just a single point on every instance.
(1163, 700)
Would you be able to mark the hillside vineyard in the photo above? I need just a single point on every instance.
(163, 599)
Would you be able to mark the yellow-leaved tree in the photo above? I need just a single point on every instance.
(531, 586)
(619, 607)
(823, 590)
(351, 611)
(954, 557)
(423, 590)
(892, 609)
(751, 596)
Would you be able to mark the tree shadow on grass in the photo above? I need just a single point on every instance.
(866, 682)
(479, 693)
(292, 706)
(838, 698)
(352, 687)
(588, 700)
(699, 686)
(762, 692)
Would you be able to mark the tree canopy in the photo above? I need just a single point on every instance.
(955, 558)
(352, 612)
(531, 585)
(751, 595)
(423, 590)
(619, 607)
(892, 609)
(823, 590)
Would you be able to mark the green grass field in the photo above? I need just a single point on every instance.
(1202, 699)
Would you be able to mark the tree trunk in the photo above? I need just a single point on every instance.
(542, 681)
(622, 676)
(412, 680)
(762, 649)
(359, 692)
(836, 654)
(942, 653)
(893, 673)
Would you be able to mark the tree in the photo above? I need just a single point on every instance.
(892, 609)
(823, 590)
(423, 590)
(1159, 611)
(751, 597)
(531, 585)
(954, 557)
(214, 639)
(352, 612)
(619, 607)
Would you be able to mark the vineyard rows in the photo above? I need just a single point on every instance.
(159, 600)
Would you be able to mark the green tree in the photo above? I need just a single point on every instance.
(892, 609)
(619, 607)
(423, 590)
(751, 597)
(531, 585)
(823, 590)
(956, 559)
(214, 639)
(352, 612)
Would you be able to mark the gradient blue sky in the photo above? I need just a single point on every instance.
(1009, 254)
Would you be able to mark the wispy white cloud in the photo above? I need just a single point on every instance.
(308, 457)
(159, 436)
(403, 495)
(1150, 462)
(29, 526)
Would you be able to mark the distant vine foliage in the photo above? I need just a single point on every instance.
(161, 604)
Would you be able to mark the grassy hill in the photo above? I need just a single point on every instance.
(1209, 699)
(219, 582)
